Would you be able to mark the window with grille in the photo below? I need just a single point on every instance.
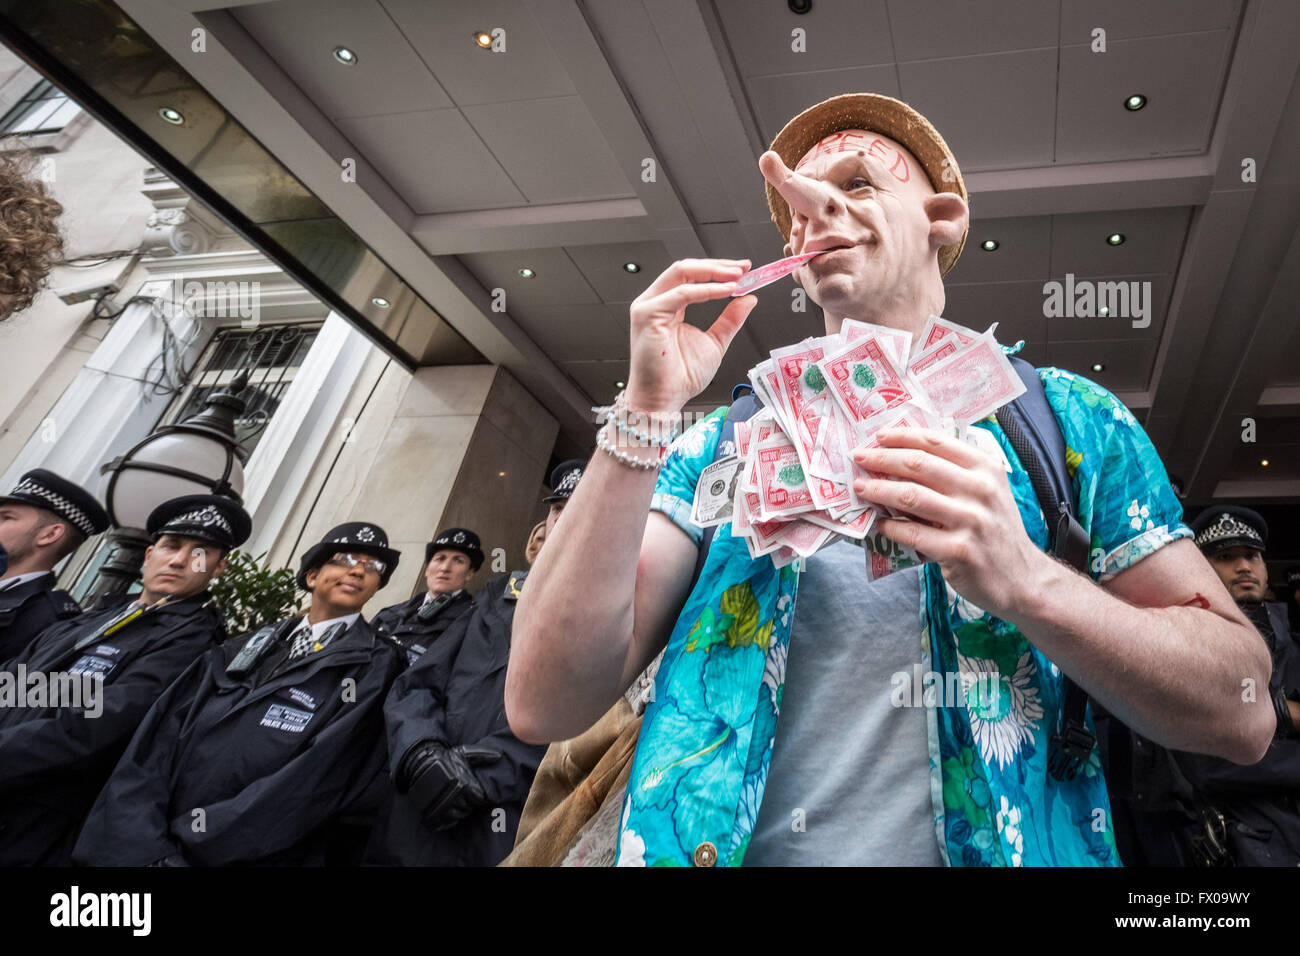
(272, 354)
(45, 109)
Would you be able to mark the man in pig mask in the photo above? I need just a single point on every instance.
(847, 777)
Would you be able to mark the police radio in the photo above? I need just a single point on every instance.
(258, 646)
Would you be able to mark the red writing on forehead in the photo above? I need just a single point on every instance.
(848, 142)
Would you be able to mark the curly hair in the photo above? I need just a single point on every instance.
(30, 243)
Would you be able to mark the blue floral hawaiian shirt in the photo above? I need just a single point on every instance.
(701, 763)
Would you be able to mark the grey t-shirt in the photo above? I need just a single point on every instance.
(849, 783)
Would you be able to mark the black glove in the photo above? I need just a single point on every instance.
(1285, 725)
(441, 783)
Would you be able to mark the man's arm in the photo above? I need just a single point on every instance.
(600, 603)
(604, 592)
(1149, 648)
(1161, 645)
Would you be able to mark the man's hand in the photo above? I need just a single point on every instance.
(968, 520)
(671, 361)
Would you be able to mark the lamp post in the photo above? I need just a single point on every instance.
(199, 455)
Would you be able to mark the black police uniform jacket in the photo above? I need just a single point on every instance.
(53, 762)
(29, 608)
(258, 769)
(455, 694)
(1152, 788)
(401, 624)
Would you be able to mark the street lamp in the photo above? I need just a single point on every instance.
(197, 456)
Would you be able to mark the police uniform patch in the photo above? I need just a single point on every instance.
(92, 665)
(298, 696)
(514, 586)
(283, 717)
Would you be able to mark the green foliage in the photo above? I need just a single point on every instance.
(252, 595)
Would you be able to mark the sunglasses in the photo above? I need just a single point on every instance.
(351, 561)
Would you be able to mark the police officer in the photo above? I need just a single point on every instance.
(460, 777)
(266, 744)
(43, 520)
(56, 757)
(451, 559)
(1176, 808)
(1233, 539)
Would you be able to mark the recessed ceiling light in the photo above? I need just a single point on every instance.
(618, 385)
(1264, 462)
(172, 116)
(483, 38)
(988, 245)
(1104, 311)
(501, 474)
(1115, 239)
(1098, 367)
(345, 56)
(631, 267)
(527, 273)
(1135, 102)
(380, 301)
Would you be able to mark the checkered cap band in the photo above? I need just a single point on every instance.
(569, 482)
(1229, 526)
(207, 517)
(60, 505)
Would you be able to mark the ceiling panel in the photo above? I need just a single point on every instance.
(434, 160)
(578, 332)
(839, 33)
(1288, 365)
(557, 280)
(1180, 76)
(778, 99)
(1153, 241)
(1151, 293)
(598, 379)
(1017, 307)
(388, 76)
(442, 31)
(552, 149)
(1127, 364)
(928, 29)
(1123, 19)
(995, 111)
(602, 266)
(1023, 252)
(1277, 441)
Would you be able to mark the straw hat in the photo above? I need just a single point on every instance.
(877, 114)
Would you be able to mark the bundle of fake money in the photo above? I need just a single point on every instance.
(788, 489)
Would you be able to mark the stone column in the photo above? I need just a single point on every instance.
(450, 445)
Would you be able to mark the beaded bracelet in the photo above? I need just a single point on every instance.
(631, 461)
(619, 413)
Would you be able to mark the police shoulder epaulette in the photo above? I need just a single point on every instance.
(386, 636)
(514, 585)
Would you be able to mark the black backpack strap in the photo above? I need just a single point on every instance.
(1034, 434)
(744, 406)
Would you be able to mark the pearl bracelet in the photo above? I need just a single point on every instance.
(631, 461)
(619, 413)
